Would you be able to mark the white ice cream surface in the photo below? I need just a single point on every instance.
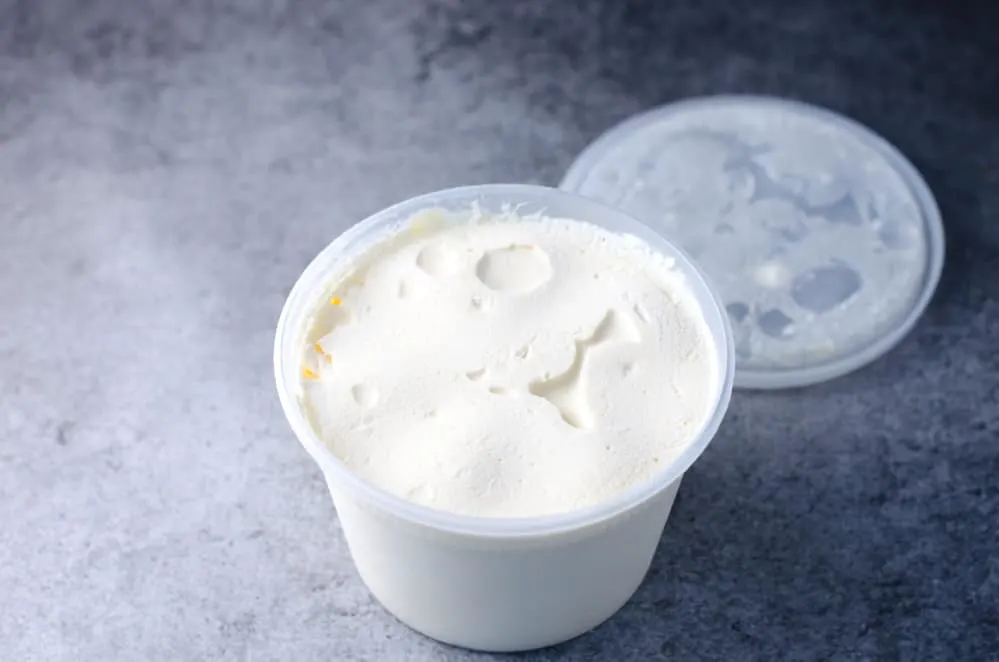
(508, 366)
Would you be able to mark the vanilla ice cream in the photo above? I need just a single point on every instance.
(507, 366)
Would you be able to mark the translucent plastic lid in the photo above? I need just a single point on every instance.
(823, 241)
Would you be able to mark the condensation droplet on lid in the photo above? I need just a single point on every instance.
(743, 346)
(776, 324)
(892, 236)
(741, 184)
(780, 218)
(844, 210)
(822, 289)
(737, 310)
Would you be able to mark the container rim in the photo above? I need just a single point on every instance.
(304, 295)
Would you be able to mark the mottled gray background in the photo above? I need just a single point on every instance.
(168, 168)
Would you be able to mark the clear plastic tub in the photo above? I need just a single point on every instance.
(492, 583)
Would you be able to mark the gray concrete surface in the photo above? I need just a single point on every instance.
(167, 169)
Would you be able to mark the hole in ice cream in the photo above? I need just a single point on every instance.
(437, 259)
(364, 395)
(514, 269)
(568, 390)
(476, 375)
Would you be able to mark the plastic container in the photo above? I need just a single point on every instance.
(495, 584)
